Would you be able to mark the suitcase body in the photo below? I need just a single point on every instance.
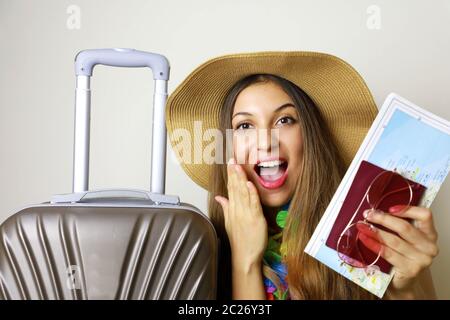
(110, 244)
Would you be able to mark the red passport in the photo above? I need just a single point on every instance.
(361, 182)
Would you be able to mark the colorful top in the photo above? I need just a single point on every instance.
(273, 258)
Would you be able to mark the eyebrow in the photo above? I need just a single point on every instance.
(286, 105)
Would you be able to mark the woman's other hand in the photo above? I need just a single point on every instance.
(410, 252)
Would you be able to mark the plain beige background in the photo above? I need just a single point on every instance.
(408, 54)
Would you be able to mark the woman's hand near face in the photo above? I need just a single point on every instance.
(245, 223)
(410, 252)
(246, 228)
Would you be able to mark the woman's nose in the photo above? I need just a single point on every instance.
(268, 139)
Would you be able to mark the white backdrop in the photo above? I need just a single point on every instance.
(398, 46)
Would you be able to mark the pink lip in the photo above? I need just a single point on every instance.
(276, 183)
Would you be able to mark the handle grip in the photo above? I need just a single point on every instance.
(86, 60)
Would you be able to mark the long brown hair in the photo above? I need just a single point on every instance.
(320, 175)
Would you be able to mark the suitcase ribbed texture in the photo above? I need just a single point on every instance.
(58, 252)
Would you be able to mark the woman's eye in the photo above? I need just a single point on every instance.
(244, 126)
(286, 120)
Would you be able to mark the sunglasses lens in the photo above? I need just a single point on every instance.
(389, 189)
(351, 249)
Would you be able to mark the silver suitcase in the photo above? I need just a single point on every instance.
(110, 244)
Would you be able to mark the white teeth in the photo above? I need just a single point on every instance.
(268, 164)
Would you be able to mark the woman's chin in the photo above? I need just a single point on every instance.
(274, 199)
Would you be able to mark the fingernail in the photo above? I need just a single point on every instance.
(397, 209)
(370, 243)
(366, 227)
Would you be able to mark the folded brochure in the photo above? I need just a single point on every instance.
(403, 137)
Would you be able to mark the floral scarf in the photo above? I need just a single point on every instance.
(273, 257)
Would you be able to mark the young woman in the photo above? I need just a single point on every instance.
(265, 207)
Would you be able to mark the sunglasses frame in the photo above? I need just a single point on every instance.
(352, 224)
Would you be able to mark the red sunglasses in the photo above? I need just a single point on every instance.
(350, 248)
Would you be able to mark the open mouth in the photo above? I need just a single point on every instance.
(272, 174)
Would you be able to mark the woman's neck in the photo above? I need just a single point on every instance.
(271, 216)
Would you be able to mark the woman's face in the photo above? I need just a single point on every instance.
(267, 141)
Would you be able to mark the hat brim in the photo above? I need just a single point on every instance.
(336, 88)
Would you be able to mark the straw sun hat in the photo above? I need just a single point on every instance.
(337, 89)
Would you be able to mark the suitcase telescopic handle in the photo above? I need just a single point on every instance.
(85, 61)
